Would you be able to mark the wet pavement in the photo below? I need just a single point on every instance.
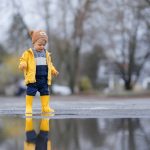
(81, 107)
(79, 123)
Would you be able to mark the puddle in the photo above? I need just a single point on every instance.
(86, 125)
(19, 133)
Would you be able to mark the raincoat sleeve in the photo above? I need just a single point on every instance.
(53, 70)
(23, 60)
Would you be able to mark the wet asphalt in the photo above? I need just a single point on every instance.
(80, 107)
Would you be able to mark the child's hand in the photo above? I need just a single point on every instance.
(56, 73)
(23, 67)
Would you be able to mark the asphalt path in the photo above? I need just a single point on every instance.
(80, 107)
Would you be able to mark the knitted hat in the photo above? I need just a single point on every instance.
(39, 34)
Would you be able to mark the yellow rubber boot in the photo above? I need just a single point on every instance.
(29, 127)
(29, 146)
(45, 104)
(29, 124)
(44, 126)
(29, 100)
(49, 145)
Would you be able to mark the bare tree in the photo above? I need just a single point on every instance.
(74, 43)
(68, 40)
(92, 70)
(18, 37)
(131, 58)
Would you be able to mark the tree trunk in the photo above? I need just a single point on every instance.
(72, 84)
(131, 139)
(128, 85)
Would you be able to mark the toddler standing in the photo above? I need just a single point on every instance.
(38, 70)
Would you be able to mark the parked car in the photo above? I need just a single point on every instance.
(21, 88)
(61, 89)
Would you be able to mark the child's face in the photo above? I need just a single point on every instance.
(40, 45)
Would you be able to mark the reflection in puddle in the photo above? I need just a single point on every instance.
(74, 134)
(37, 141)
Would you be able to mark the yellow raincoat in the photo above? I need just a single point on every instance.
(28, 60)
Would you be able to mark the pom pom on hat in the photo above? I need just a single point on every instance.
(31, 33)
(39, 34)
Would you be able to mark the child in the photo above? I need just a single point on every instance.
(38, 68)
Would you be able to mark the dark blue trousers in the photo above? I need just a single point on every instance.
(41, 86)
(39, 140)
